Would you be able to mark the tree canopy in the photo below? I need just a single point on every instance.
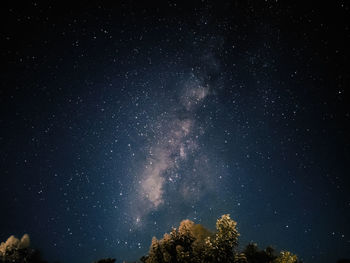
(193, 243)
(189, 243)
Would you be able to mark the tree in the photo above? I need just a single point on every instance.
(254, 255)
(155, 254)
(192, 243)
(18, 250)
(240, 258)
(177, 246)
(221, 246)
(286, 257)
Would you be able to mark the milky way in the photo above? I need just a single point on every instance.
(175, 165)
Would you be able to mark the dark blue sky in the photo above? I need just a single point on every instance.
(117, 122)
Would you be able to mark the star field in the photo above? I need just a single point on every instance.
(117, 122)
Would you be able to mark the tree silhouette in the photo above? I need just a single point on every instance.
(254, 255)
(192, 243)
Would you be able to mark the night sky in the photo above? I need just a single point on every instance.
(117, 122)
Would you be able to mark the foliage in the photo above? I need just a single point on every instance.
(286, 257)
(192, 243)
(254, 255)
(240, 258)
(18, 251)
(174, 247)
(13, 243)
(220, 247)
